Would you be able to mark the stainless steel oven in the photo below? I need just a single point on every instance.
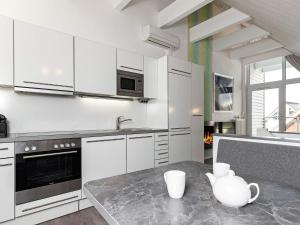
(46, 168)
(130, 84)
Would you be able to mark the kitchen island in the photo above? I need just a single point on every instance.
(142, 198)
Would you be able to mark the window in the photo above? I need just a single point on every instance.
(273, 101)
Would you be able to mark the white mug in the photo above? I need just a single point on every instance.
(222, 169)
(175, 180)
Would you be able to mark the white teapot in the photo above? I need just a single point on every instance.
(232, 190)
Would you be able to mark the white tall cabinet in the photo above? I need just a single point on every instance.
(95, 68)
(43, 58)
(6, 52)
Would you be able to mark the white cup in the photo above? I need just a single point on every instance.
(221, 169)
(175, 180)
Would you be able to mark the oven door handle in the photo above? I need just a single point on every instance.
(49, 154)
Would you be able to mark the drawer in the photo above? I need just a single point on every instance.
(162, 154)
(162, 136)
(161, 162)
(161, 145)
(6, 150)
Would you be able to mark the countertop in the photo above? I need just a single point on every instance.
(76, 134)
(141, 198)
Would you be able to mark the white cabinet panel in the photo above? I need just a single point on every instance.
(7, 150)
(95, 68)
(130, 61)
(7, 189)
(140, 152)
(197, 89)
(197, 138)
(6, 52)
(179, 66)
(179, 102)
(103, 157)
(150, 77)
(43, 58)
(180, 146)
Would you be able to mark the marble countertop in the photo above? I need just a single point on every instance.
(141, 198)
(76, 134)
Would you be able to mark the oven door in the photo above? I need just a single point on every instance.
(130, 84)
(45, 174)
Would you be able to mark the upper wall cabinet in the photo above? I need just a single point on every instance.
(130, 61)
(43, 58)
(150, 77)
(6, 52)
(95, 68)
(179, 66)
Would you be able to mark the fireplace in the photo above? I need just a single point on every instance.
(209, 130)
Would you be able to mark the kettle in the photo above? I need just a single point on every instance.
(231, 190)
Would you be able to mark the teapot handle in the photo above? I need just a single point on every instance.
(257, 192)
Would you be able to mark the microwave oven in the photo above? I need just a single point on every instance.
(130, 84)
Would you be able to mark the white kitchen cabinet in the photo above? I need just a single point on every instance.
(43, 58)
(103, 157)
(180, 146)
(140, 152)
(130, 61)
(197, 138)
(7, 189)
(95, 68)
(179, 66)
(150, 77)
(197, 89)
(179, 102)
(6, 52)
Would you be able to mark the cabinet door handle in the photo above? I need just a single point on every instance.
(180, 134)
(3, 149)
(180, 128)
(105, 140)
(126, 67)
(39, 83)
(141, 137)
(50, 203)
(181, 71)
(6, 164)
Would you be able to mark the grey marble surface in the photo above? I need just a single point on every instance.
(141, 198)
(76, 134)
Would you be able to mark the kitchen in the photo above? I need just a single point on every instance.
(85, 98)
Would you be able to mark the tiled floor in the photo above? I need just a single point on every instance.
(88, 216)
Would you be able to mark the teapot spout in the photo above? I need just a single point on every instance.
(211, 178)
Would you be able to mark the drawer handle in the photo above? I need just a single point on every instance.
(114, 139)
(180, 128)
(162, 144)
(163, 153)
(50, 203)
(180, 134)
(140, 137)
(126, 67)
(3, 149)
(181, 71)
(39, 83)
(163, 162)
(162, 135)
(6, 164)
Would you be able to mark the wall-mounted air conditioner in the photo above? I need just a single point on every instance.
(160, 38)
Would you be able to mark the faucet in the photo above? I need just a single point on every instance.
(119, 121)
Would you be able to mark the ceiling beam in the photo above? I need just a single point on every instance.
(217, 23)
(255, 48)
(240, 37)
(178, 10)
(120, 4)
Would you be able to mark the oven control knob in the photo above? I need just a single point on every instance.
(55, 146)
(67, 145)
(62, 145)
(73, 144)
(27, 149)
(33, 148)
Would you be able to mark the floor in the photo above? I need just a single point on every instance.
(88, 216)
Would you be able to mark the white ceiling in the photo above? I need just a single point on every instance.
(279, 17)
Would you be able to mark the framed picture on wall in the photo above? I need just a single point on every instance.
(223, 93)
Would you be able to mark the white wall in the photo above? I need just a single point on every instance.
(94, 20)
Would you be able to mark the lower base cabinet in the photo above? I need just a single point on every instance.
(103, 157)
(180, 146)
(140, 152)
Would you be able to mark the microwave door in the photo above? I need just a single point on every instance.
(127, 84)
